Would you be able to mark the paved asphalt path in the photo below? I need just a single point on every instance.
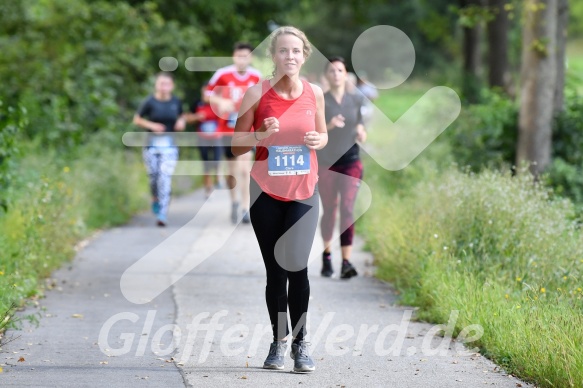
(203, 322)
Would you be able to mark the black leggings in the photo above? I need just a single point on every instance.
(286, 259)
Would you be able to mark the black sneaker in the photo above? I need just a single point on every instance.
(300, 353)
(348, 271)
(276, 354)
(327, 270)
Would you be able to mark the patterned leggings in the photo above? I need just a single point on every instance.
(160, 166)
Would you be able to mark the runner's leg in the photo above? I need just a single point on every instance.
(349, 185)
(301, 222)
(267, 219)
(329, 195)
(152, 168)
(244, 164)
(232, 179)
(168, 161)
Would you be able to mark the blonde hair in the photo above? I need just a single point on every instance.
(288, 30)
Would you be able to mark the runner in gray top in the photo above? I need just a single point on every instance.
(340, 168)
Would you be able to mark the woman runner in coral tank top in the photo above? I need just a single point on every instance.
(288, 117)
(290, 174)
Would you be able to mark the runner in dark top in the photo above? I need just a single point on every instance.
(161, 113)
(340, 167)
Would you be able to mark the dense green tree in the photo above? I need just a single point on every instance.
(76, 65)
(224, 22)
(334, 26)
(471, 16)
(498, 40)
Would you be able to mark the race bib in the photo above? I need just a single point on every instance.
(232, 120)
(209, 126)
(288, 160)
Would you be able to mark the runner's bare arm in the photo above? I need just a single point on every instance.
(147, 124)
(193, 118)
(221, 104)
(243, 139)
(180, 124)
(361, 134)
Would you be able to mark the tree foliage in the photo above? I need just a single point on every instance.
(224, 22)
(12, 120)
(75, 65)
(334, 26)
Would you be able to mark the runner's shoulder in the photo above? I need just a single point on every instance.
(149, 99)
(318, 93)
(254, 91)
(146, 105)
(256, 87)
(221, 73)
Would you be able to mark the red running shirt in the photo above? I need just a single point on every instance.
(296, 117)
(228, 83)
(208, 128)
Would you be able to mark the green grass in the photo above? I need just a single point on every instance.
(55, 201)
(394, 102)
(504, 253)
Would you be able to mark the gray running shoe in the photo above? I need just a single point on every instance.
(276, 354)
(235, 213)
(246, 218)
(300, 353)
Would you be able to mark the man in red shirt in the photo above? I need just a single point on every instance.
(225, 92)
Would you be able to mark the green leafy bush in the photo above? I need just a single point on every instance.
(566, 172)
(56, 200)
(12, 120)
(485, 135)
(81, 67)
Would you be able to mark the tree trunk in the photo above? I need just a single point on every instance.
(562, 23)
(538, 79)
(472, 57)
(498, 44)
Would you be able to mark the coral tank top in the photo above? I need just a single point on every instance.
(284, 167)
